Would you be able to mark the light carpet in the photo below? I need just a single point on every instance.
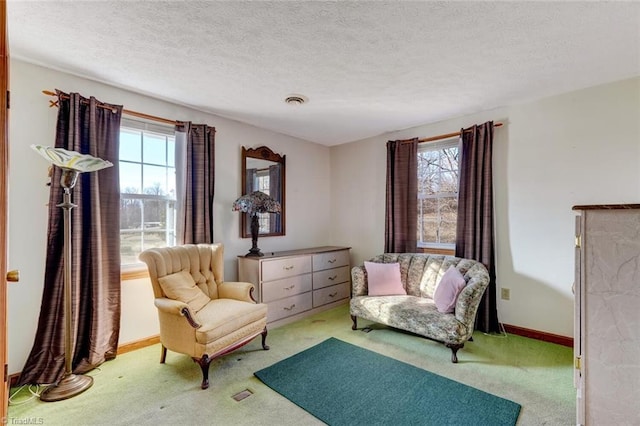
(136, 389)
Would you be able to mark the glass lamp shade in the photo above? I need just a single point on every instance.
(256, 202)
(71, 160)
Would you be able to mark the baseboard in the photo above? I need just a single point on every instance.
(539, 335)
(127, 347)
(138, 344)
(513, 329)
(13, 379)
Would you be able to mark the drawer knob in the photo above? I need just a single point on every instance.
(291, 287)
(332, 261)
(290, 307)
(333, 294)
(287, 268)
(333, 278)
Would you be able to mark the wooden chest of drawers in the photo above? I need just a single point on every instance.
(299, 282)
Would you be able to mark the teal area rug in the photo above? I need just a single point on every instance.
(343, 384)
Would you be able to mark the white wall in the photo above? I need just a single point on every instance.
(32, 121)
(582, 147)
(579, 148)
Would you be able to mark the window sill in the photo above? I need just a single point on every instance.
(133, 272)
(438, 250)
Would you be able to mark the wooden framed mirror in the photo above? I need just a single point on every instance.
(263, 170)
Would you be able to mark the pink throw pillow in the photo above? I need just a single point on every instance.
(384, 279)
(446, 294)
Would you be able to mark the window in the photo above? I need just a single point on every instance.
(147, 188)
(261, 183)
(438, 194)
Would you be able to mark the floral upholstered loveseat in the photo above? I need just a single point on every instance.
(416, 311)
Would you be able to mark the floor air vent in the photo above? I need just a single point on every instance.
(242, 395)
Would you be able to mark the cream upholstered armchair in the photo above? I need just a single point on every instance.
(200, 315)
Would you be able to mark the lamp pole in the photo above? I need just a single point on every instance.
(71, 384)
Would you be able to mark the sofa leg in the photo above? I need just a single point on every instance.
(454, 350)
(204, 365)
(355, 322)
(264, 340)
(163, 354)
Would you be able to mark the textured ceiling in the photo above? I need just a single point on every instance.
(366, 67)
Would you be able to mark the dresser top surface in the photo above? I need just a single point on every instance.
(607, 207)
(311, 250)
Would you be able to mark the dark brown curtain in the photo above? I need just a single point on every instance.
(250, 186)
(474, 238)
(401, 212)
(86, 126)
(195, 167)
(250, 179)
(275, 191)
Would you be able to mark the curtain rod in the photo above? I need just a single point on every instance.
(174, 122)
(124, 111)
(440, 137)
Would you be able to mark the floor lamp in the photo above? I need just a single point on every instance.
(72, 164)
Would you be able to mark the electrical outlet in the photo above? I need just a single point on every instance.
(505, 294)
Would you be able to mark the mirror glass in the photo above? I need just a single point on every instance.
(263, 170)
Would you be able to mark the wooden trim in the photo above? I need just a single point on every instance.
(444, 136)
(263, 153)
(124, 111)
(190, 319)
(134, 273)
(4, 199)
(123, 349)
(13, 379)
(446, 252)
(539, 335)
(519, 331)
(607, 207)
(138, 344)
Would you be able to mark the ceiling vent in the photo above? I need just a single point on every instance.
(295, 100)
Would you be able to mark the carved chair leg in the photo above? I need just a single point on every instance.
(355, 322)
(204, 365)
(163, 354)
(264, 340)
(454, 349)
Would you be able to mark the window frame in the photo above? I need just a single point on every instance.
(436, 146)
(170, 202)
(262, 184)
